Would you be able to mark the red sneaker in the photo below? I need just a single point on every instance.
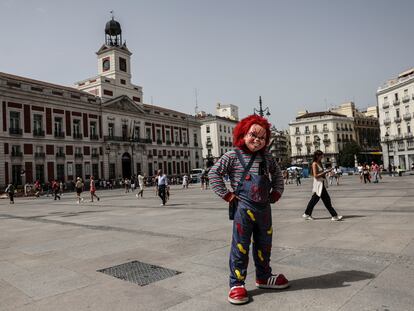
(276, 281)
(238, 295)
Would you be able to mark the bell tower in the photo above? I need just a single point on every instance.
(114, 68)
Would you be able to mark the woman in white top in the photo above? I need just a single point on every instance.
(319, 189)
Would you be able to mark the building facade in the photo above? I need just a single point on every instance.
(100, 128)
(327, 131)
(367, 130)
(280, 146)
(395, 104)
(216, 136)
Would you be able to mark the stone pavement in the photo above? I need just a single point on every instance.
(50, 251)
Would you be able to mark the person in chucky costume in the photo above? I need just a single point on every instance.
(249, 167)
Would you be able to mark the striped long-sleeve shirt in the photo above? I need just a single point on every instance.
(230, 165)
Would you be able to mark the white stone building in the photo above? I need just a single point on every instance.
(227, 111)
(216, 136)
(395, 104)
(327, 131)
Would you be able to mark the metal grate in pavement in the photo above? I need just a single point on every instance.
(139, 272)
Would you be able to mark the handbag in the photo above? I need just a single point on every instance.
(233, 204)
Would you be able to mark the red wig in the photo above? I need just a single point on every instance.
(242, 128)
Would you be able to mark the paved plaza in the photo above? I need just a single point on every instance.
(50, 251)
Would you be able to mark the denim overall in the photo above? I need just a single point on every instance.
(252, 217)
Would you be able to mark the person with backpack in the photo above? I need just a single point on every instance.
(256, 182)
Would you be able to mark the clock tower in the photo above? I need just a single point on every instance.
(114, 68)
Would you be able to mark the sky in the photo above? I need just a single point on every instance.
(298, 55)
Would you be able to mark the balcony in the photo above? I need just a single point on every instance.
(93, 137)
(38, 133)
(168, 142)
(77, 135)
(185, 143)
(325, 130)
(17, 154)
(209, 144)
(397, 120)
(298, 144)
(78, 156)
(195, 144)
(408, 135)
(387, 121)
(60, 134)
(60, 155)
(160, 156)
(315, 131)
(95, 156)
(406, 99)
(396, 102)
(308, 143)
(221, 143)
(15, 131)
(316, 142)
(326, 141)
(297, 133)
(385, 105)
(307, 132)
(159, 142)
(401, 146)
(39, 155)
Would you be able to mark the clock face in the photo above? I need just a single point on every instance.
(105, 64)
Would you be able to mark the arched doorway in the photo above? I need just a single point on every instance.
(126, 165)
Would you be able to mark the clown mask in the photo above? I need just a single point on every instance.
(255, 139)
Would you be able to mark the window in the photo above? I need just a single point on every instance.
(184, 136)
(14, 119)
(76, 127)
(176, 137)
(122, 64)
(58, 125)
(137, 132)
(94, 152)
(397, 112)
(315, 128)
(124, 131)
(108, 92)
(148, 133)
(123, 81)
(306, 129)
(78, 151)
(40, 172)
(307, 139)
(92, 129)
(37, 122)
(208, 129)
(396, 96)
(325, 127)
(297, 130)
(408, 128)
(111, 129)
(158, 134)
(168, 135)
(399, 130)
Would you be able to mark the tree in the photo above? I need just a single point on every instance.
(346, 156)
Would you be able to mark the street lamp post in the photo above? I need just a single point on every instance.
(387, 141)
(261, 111)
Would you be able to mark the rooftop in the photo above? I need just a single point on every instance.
(319, 114)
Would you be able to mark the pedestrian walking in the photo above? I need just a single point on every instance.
(319, 189)
(92, 189)
(61, 186)
(162, 183)
(249, 167)
(365, 172)
(202, 181)
(331, 176)
(375, 171)
(10, 190)
(141, 185)
(360, 169)
(338, 174)
(185, 181)
(37, 188)
(55, 189)
(79, 188)
(298, 176)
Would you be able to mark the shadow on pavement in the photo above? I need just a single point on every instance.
(325, 281)
(345, 217)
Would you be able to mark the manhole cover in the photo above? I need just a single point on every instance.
(139, 272)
